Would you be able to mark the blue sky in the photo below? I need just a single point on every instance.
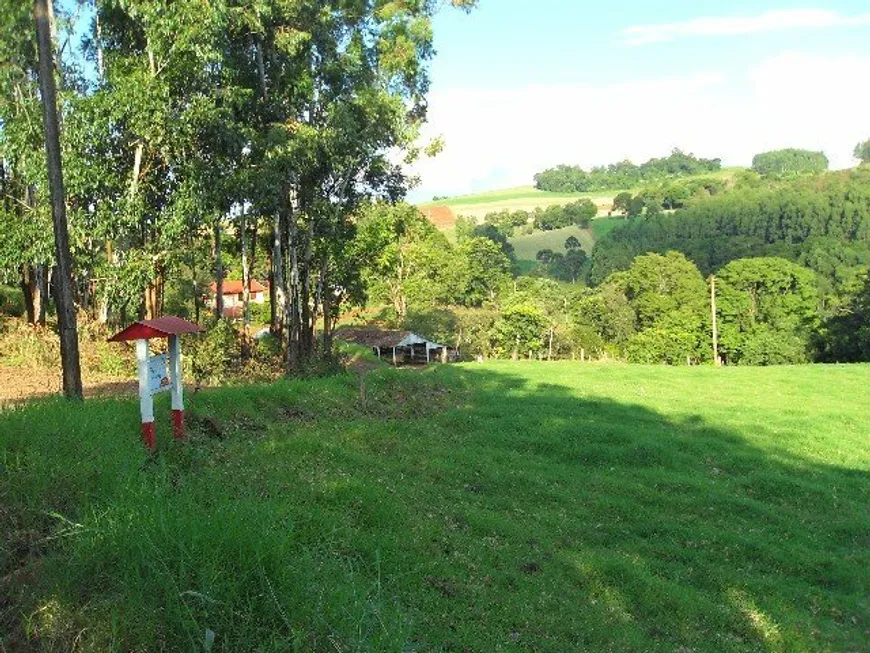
(521, 84)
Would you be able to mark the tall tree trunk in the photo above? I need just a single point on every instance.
(277, 288)
(306, 330)
(28, 289)
(291, 299)
(246, 275)
(40, 304)
(66, 312)
(218, 272)
(326, 301)
(103, 302)
(195, 283)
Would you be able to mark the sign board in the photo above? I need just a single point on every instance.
(158, 379)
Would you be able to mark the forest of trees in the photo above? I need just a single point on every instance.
(625, 174)
(184, 121)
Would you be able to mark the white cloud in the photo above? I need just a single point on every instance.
(500, 138)
(771, 21)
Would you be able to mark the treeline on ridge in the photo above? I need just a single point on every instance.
(624, 174)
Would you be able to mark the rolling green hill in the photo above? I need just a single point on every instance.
(481, 507)
(527, 198)
(527, 246)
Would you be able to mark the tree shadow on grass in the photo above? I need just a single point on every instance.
(658, 531)
(505, 515)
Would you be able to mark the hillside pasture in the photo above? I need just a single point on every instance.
(526, 246)
(498, 506)
(528, 198)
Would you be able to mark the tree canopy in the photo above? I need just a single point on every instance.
(624, 174)
(789, 161)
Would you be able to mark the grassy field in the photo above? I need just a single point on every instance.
(524, 198)
(527, 198)
(499, 506)
(526, 246)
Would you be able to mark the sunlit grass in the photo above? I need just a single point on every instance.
(500, 506)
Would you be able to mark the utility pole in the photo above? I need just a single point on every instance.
(63, 296)
(716, 360)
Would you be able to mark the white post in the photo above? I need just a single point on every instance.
(394, 357)
(177, 395)
(146, 402)
(427, 353)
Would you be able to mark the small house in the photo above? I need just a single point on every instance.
(397, 347)
(233, 293)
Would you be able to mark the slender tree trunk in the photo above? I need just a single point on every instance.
(246, 276)
(550, 349)
(292, 295)
(218, 272)
(716, 360)
(28, 289)
(66, 312)
(42, 273)
(306, 330)
(277, 290)
(326, 302)
(195, 283)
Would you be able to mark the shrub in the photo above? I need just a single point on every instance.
(214, 355)
(11, 301)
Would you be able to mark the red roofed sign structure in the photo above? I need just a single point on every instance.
(160, 372)
(162, 327)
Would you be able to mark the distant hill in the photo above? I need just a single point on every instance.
(443, 213)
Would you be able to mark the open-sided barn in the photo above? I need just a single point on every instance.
(396, 346)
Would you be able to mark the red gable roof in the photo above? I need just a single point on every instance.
(236, 286)
(162, 327)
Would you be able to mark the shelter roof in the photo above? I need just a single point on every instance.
(162, 327)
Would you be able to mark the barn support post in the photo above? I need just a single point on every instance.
(177, 393)
(427, 353)
(146, 402)
(394, 356)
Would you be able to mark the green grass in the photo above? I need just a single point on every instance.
(528, 245)
(527, 198)
(507, 194)
(502, 506)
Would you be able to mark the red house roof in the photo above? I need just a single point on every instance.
(162, 327)
(235, 286)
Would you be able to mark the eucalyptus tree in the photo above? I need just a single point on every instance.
(338, 96)
(26, 249)
(165, 106)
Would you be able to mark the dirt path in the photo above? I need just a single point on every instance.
(18, 384)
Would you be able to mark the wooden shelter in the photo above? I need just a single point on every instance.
(398, 347)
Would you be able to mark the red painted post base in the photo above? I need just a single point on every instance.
(149, 436)
(178, 424)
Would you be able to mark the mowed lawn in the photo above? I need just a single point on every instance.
(478, 507)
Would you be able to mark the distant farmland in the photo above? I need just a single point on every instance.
(526, 198)
(526, 246)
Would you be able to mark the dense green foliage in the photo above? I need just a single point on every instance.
(186, 122)
(822, 222)
(539, 506)
(790, 161)
(408, 261)
(625, 174)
